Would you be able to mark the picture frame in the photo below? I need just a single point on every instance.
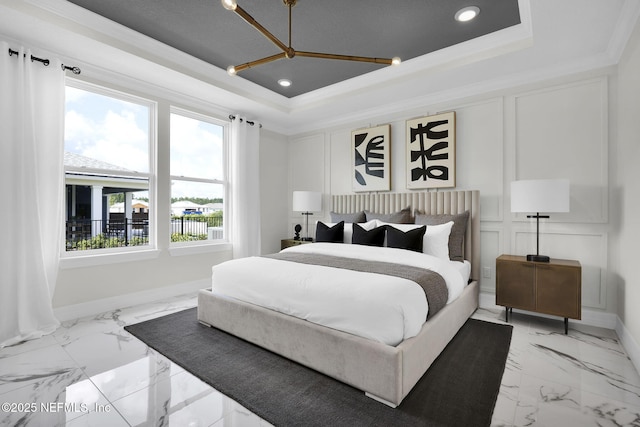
(431, 151)
(371, 159)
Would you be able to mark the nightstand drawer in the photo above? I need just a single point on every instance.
(515, 285)
(559, 292)
(286, 243)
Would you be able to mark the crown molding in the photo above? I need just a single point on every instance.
(121, 53)
(627, 20)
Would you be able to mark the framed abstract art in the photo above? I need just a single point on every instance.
(431, 151)
(371, 153)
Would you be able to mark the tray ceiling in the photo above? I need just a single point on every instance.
(377, 28)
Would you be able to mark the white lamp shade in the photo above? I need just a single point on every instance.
(307, 201)
(540, 195)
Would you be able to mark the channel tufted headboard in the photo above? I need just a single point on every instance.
(434, 203)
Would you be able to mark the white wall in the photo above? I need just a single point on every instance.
(274, 177)
(625, 206)
(556, 129)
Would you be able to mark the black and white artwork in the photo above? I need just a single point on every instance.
(431, 151)
(371, 163)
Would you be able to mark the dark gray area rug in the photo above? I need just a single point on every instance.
(460, 388)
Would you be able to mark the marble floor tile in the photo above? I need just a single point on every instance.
(134, 376)
(103, 418)
(91, 372)
(180, 400)
(72, 330)
(102, 352)
(25, 347)
(53, 400)
(142, 312)
(38, 370)
(545, 403)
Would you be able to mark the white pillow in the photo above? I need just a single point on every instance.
(436, 239)
(348, 228)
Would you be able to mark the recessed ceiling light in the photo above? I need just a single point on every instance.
(467, 13)
(284, 82)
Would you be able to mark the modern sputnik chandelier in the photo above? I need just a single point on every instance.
(288, 51)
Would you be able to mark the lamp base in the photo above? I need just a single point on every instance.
(538, 258)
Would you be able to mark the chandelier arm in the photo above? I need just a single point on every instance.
(261, 61)
(345, 57)
(255, 24)
(290, 7)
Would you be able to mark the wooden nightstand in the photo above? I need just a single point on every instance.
(285, 243)
(553, 287)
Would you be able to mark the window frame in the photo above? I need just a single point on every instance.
(125, 253)
(178, 248)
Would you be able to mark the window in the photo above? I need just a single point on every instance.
(108, 169)
(198, 177)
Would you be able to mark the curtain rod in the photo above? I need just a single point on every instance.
(232, 117)
(74, 70)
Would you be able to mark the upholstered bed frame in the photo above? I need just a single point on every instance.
(383, 372)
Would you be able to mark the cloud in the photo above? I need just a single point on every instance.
(107, 129)
(117, 132)
(118, 140)
(196, 189)
(196, 148)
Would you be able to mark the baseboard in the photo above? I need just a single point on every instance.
(589, 317)
(90, 308)
(629, 343)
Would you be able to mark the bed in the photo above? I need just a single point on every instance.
(384, 371)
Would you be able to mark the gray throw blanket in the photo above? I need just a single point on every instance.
(432, 283)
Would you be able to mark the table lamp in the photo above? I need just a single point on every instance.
(307, 202)
(539, 195)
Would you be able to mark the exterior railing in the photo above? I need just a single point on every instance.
(196, 227)
(87, 234)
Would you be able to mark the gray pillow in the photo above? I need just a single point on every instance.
(348, 217)
(400, 217)
(456, 238)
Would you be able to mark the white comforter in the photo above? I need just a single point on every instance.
(375, 306)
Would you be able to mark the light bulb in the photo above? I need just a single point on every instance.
(284, 82)
(467, 13)
(229, 4)
(231, 70)
(396, 60)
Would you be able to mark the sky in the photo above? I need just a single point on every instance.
(117, 132)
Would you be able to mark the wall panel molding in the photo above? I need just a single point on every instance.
(563, 132)
(491, 248)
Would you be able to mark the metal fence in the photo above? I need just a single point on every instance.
(196, 227)
(87, 234)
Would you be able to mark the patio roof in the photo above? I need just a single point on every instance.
(79, 161)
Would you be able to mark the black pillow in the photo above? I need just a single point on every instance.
(411, 240)
(373, 237)
(327, 234)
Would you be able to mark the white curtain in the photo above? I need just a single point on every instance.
(245, 187)
(31, 192)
